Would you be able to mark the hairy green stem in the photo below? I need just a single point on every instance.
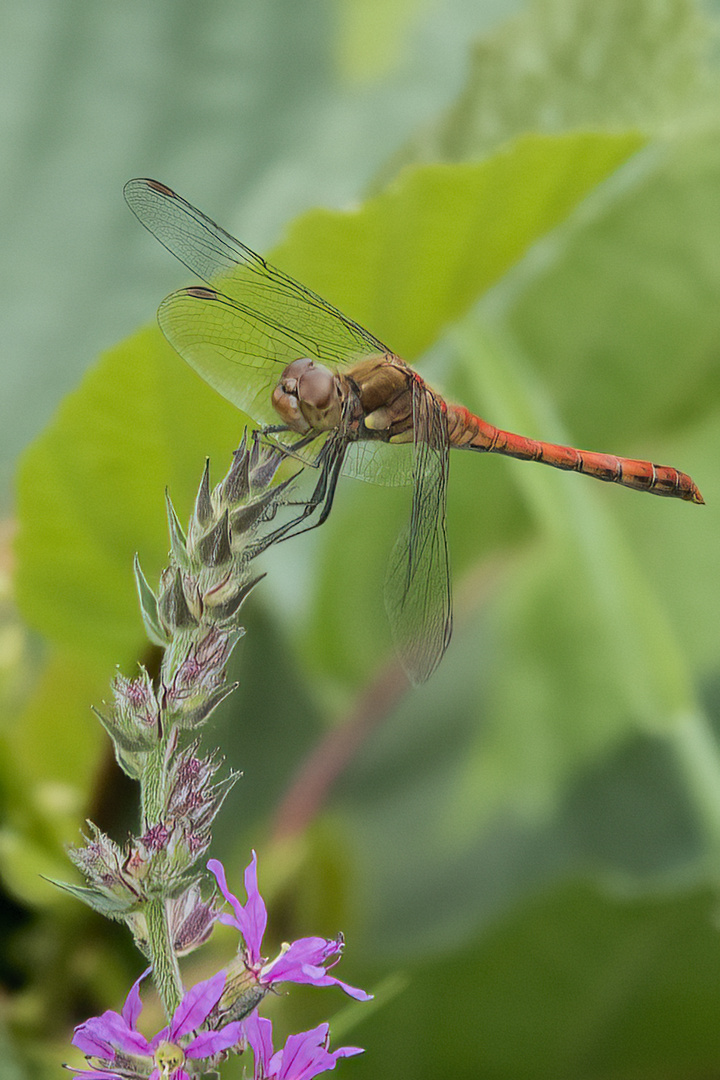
(152, 787)
(166, 973)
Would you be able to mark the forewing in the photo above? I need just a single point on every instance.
(417, 585)
(238, 354)
(272, 303)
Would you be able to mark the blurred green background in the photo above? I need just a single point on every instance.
(523, 198)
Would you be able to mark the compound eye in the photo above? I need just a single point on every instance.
(294, 372)
(317, 388)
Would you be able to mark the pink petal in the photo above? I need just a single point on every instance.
(258, 1033)
(216, 867)
(100, 1036)
(251, 918)
(305, 1055)
(315, 977)
(133, 1005)
(301, 963)
(208, 1043)
(92, 1043)
(197, 1004)
(309, 950)
(255, 912)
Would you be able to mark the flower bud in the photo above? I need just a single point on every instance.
(112, 889)
(133, 721)
(198, 683)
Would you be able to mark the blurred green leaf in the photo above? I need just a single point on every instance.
(371, 35)
(50, 764)
(621, 320)
(559, 65)
(568, 640)
(571, 984)
(12, 1066)
(586, 591)
(624, 308)
(238, 104)
(90, 492)
(415, 257)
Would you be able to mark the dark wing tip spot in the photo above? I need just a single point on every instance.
(153, 185)
(162, 189)
(201, 293)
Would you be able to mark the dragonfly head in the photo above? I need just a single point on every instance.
(307, 398)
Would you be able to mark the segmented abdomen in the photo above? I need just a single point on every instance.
(469, 432)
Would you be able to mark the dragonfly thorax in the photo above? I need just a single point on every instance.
(307, 398)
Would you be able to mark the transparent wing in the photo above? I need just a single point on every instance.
(269, 299)
(381, 463)
(417, 585)
(230, 347)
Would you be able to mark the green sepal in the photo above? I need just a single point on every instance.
(178, 540)
(193, 717)
(235, 488)
(213, 549)
(225, 600)
(203, 511)
(132, 763)
(244, 518)
(122, 738)
(109, 906)
(172, 606)
(149, 608)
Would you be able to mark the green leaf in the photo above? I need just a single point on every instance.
(618, 326)
(564, 649)
(90, 492)
(559, 66)
(417, 256)
(587, 590)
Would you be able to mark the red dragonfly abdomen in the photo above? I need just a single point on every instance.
(469, 432)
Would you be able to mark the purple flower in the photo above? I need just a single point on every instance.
(116, 1050)
(303, 1056)
(302, 962)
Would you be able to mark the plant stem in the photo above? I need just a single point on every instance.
(152, 787)
(166, 973)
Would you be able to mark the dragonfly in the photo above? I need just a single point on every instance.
(280, 352)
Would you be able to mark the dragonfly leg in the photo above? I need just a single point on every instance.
(323, 494)
(290, 451)
(270, 429)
